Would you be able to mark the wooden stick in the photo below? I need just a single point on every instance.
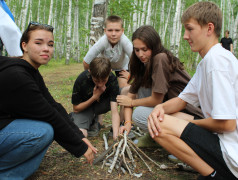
(100, 158)
(139, 156)
(105, 141)
(143, 153)
(116, 156)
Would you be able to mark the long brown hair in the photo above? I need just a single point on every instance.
(141, 75)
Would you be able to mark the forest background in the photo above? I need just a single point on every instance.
(74, 20)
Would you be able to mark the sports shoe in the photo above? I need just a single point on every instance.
(146, 141)
(185, 167)
(93, 130)
(173, 158)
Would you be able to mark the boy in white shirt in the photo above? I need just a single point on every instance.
(208, 145)
(115, 46)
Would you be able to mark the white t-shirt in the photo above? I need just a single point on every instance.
(214, 87)
(119, 55)
(10, 34)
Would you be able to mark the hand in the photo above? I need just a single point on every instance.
(124, 74)
(156, 116)
(97, 91)
(123, 100)
(126, 127)
(89, 154)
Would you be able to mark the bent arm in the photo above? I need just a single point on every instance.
(115, 119)
(151, 101)
(216, 125)
(84, 105)
(85, 65)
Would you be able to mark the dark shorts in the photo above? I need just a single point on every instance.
(89, 116)
(207, 146)
(118, 73)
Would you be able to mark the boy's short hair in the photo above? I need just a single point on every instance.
(204, 13)
(227, 32)
(113, 19)
(100, 68)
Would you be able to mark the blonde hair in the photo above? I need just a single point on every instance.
(204, 13)
(113, 19)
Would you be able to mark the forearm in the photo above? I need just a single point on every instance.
(148, 102)
(85, 65)
(214, 125)
(173, 105)
(84, 105)
(115, 123)
(231, 47)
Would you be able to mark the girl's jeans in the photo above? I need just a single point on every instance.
(23, 144)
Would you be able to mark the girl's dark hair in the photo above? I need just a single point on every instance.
(32, 27)
(141, 75)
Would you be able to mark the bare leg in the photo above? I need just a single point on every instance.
(84, 131)
(124, 91)
(169, 138)
(122, 82)
(100, 119)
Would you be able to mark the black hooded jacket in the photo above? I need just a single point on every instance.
(23, 94)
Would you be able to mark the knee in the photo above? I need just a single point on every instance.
(45, 133)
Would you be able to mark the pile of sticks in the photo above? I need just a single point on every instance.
(120, 156)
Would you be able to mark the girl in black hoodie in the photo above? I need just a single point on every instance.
(30, 119)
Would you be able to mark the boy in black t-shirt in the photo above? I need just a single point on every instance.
(94, 93)
(226, 42)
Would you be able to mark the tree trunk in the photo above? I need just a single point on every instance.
(97, 20)
(50, 12)
(68, 34)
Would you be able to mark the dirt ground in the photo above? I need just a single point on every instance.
(58, 164)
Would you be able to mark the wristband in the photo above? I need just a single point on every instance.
(128, 121)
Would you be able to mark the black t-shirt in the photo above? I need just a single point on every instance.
(84, 85)
(226, 42)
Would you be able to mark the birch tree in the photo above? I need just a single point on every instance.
(50, 12)
(176, 26)
(97, 20)
(148, 17)
(68, 33)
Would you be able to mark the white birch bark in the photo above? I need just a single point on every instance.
(38, 11)
(162, 23)
(30, 12)
(97, 20)
(135, 18)
(76, 46)
(235, 34)
(144, 12)
(86, 25)
(148, 17)
(176, 22)
(50, 12)
(167, 21)
(68, 35)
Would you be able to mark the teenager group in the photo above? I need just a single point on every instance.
(195, 119)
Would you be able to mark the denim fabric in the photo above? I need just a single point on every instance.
(23, 144)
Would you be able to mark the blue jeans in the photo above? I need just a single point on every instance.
(23, 144)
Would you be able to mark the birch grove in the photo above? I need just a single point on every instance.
(79, 23)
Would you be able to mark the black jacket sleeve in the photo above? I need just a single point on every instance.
(31, 99)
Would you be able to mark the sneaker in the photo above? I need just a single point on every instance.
(94, 130)
(185, 167)
(146, 141)
(173, 158)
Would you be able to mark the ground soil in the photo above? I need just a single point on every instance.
(58, 164)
